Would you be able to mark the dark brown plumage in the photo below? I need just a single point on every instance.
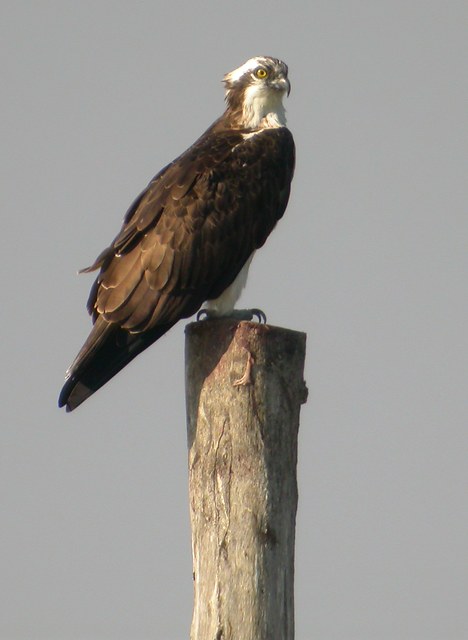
(183, 242)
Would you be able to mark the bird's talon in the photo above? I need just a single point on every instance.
(260, 315)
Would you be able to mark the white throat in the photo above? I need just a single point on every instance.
(263, 108)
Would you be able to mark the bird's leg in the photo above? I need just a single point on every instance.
(254, 313)
(204, 314)
(235, 314)
(246, 377)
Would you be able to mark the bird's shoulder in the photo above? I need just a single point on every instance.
(218, 156)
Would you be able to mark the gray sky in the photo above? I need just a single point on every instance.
(368, 260)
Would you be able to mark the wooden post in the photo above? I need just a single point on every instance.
(244, 386)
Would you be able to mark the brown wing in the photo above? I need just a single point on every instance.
(189, 234)
(183, 241)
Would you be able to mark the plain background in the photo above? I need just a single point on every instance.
(370, 261)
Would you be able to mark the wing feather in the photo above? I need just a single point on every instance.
(183, 241)
(158, 279)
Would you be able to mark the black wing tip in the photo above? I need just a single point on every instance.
(63, 397)
(73, 394)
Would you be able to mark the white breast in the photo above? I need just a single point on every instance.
(225, 304)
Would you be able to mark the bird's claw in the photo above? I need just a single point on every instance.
(203, 314)
(237, 314)
(260, 315)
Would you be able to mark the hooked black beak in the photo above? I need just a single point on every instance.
(282, 84)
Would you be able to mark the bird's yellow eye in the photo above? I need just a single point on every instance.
(261, 73)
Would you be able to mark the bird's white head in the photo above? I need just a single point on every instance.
(255, 91)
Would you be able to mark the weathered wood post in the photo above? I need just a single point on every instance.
(244, 385)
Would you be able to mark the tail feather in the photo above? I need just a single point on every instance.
(106, 351)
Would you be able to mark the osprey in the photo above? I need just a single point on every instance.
(189, 237)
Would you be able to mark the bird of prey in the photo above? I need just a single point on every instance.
(189, 237)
